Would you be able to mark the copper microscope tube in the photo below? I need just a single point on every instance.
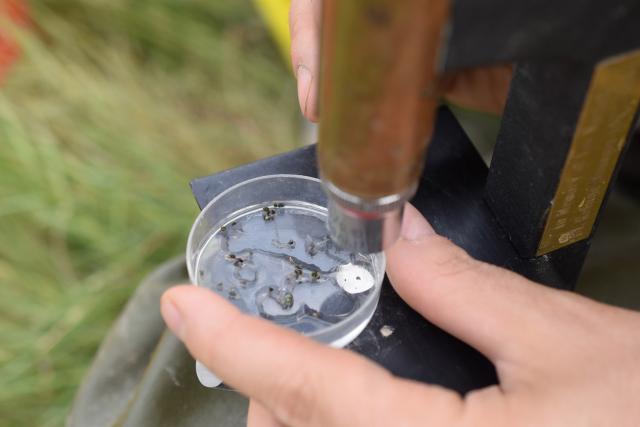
(379, 92)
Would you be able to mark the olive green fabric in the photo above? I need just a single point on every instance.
(143, 376)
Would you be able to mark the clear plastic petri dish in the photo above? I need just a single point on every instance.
(263, 244)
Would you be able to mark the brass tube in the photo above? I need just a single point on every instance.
(378, 91)
(378, 96)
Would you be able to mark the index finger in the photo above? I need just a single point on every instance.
(304, 24)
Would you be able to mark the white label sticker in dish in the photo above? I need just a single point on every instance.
(354, 279)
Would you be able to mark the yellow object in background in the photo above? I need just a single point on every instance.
(276, 15)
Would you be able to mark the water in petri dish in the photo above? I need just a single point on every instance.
(279, 263)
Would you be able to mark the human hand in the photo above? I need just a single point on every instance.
(483, 89)
(561, 359)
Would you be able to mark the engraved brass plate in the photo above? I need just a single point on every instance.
(607, 115)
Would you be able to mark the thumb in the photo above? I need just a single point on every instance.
(490, 308)
(299, 382)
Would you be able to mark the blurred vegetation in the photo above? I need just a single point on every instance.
(113, 107)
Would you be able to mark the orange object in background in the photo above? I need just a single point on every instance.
(15, 11)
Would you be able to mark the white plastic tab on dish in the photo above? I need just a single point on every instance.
(206, 377)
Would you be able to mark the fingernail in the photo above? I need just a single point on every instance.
(171, 316)
(414, 225)
(304, 87)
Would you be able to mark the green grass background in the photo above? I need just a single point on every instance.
(113, 107)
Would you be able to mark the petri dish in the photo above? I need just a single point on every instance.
(264, 245)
